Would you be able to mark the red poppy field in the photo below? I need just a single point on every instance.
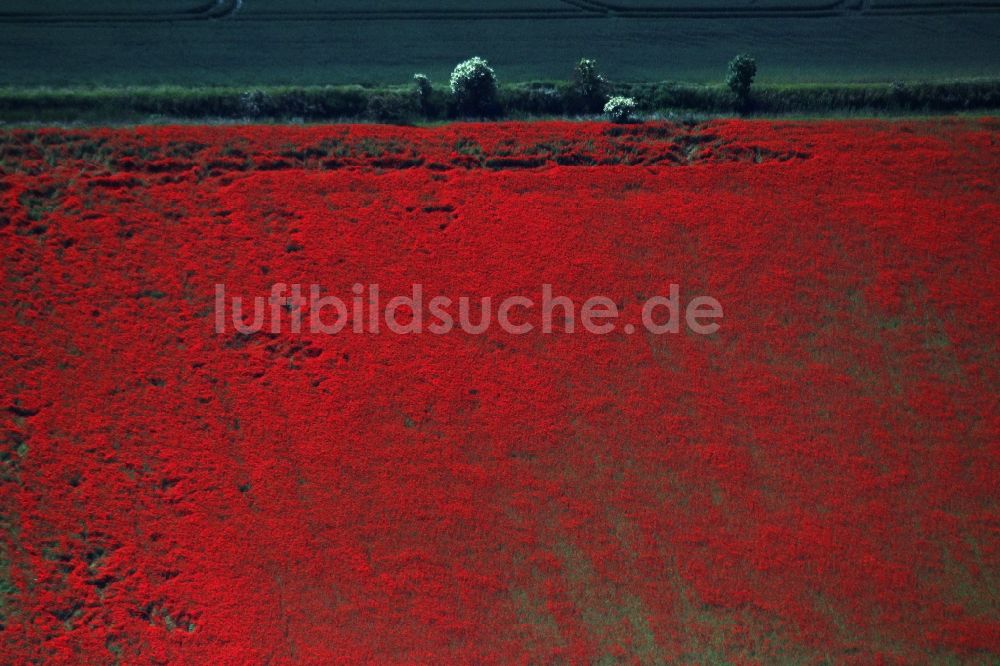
(815, 482)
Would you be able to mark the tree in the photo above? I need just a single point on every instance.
(424, 92)
(742, 70)
(589, 85)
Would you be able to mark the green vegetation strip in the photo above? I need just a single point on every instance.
(402, 104)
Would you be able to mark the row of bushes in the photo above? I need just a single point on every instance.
(425, 102)
(475, 92)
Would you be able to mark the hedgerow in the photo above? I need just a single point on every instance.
(515, 100)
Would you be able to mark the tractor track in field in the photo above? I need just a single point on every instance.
(791, 10)
(597, 9)
(574, 9)
(216, 9)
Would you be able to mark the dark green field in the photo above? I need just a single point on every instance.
(316, 42)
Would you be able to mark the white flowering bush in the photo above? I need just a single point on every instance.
(474, 87)
(620, 109)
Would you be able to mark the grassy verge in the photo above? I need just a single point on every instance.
(401, 104)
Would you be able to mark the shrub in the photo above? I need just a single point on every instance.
(589, 86)
(620, 109)
(742, 70)
(474, 88)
